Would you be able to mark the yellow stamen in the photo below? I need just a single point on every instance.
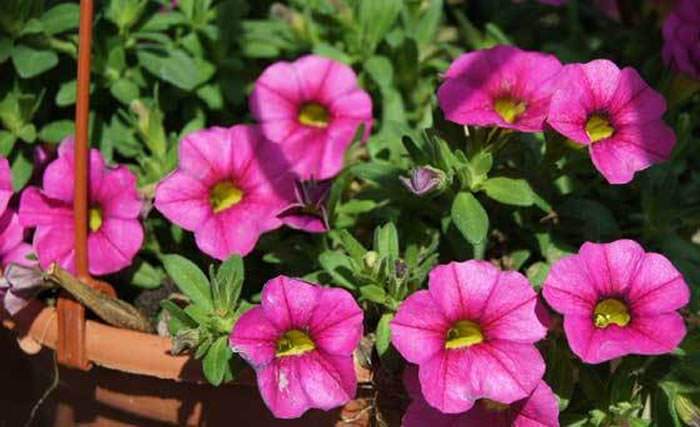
(493, 406)
(509, 108)
(293, 343)
(314, 115)
(95, 218)
(611, 312)
(224, 195)
(598, 127)
(463, 334)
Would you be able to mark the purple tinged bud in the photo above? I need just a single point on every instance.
(308, 212)
(424, 180)
(19, 286)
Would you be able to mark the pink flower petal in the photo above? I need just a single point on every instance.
(35, 209)
(446, 383)
(58, 176)
(602, 77)
(255, 338)
(55, 244)
(329, 381)
(462, 289)
(206, 154)
(5, 183)
(634, 101)
(280, 386)
(658, 287)
(18, 255)
(611, 266)
(336, 322)
(418, 331)
(117, 196)
(183, 200)
(11, 232)
(289, 303)
(114, 245)
(569, 289)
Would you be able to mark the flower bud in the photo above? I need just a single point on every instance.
(424, 180)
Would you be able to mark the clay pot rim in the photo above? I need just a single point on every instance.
(119, 349)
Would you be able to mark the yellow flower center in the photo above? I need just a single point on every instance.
(314, 115)
(95, 218)
(493, 406)
(294, 343)
(598, 127)
(611, 312)
(224, 195)
(463, 334)
(509, 108)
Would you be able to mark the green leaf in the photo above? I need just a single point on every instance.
(339, 266)
(66, 94)
(175, 67)
(509, 191)
(351, 245)
(7, 141)
(5, 48)
(383, 334)
(60, 18)
(373, 293)
(179, 319)
(376, 19)
(27, 133)
(146, 276)
(189, 278)
(470, 218)
(22, 169)
(124, 90)
(386, 240)
(229, 279)
(537, 273)
(56, 131)
(30, 62)
(215, 362)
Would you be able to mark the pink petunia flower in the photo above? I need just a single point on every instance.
(616, 114)
(681, 34)
(502, 86)
(228, 188)
(617, 300)
(472, 335)
(300, 342)
(539, 409)
(312, 107)
(115, 234)
(12, 246)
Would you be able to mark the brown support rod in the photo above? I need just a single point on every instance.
(71, 315)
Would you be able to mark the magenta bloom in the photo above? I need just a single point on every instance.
(312, 107)
(682, 38)
(502, 86)
(617, 300)
(115, 233)
(228, 188)
(12, 246)
(472, 335)
(539, 409)
(300, 342)
(616, 114)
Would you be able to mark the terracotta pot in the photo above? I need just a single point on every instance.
(135, 381)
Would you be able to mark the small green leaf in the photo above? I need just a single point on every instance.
(5, 48)
(351, 245)
(22, 169)
(376, 18)
(189, 278)
(30, 62)
(229, 279)
(66, 94)
(146, 276)
(124, 90)
(386, 240)
(373, 293)
(509, 191)
(179, 319)
(60, 18)
(470, 218)
(56, 131)
(7, 141)
(383, 334)
(175, 67)
(339, 266)
(215, 362)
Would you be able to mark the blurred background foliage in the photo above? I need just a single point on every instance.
(162, 69)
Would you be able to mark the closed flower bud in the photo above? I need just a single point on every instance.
(424, 180)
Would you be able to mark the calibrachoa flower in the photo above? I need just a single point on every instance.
(300, 341)
(472, 335)
(19, 285)
(313, 108)
(228, 188)
(616, 114)
(539, 409)
(682, 38)
(309, 212)
(115, 233)
(502, 86)
(617, 300)
(12, 246)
